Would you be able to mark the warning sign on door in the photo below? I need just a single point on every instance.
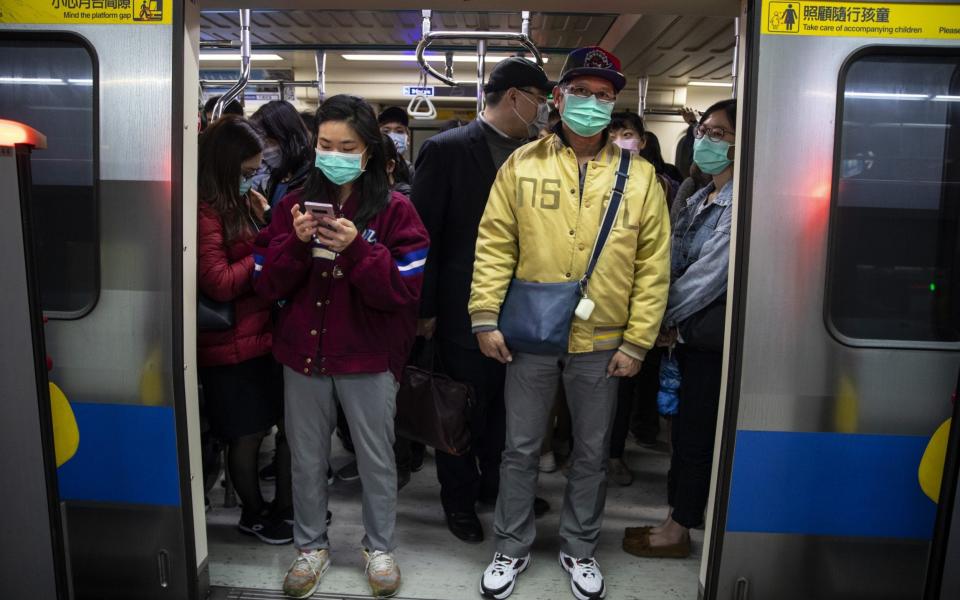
(87, 12)
(854, 19)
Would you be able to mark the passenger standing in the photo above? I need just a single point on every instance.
(240, 382)
(684, 151)
(454, 173)
(695, 314)
(289, 152)
(395, 123)
(540, 224)
(206, 116)
(351, 285)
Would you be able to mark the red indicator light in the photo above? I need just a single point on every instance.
(12, 133)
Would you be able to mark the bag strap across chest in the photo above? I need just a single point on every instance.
(609, 215)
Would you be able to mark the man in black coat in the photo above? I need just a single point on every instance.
(454, 173)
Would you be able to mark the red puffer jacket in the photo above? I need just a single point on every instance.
(224, 274)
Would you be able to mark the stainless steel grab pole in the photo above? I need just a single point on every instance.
(481, 72)
(321, 61)
(241, 84)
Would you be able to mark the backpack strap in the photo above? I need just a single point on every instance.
(609, 216)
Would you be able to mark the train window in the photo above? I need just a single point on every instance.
(894, 256)
(49, 84)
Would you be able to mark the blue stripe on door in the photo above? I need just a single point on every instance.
(829, 484)
(127, 455)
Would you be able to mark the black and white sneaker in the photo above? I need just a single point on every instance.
(501, 576)
(586, 581)
(270, 531)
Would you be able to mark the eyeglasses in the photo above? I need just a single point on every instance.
(540, 99)
(714, 133)
(582, 92)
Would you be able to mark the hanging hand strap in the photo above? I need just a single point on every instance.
(609, 216)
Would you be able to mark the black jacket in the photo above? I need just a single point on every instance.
(454, 174)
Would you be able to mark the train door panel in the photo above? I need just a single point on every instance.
(107, 214)
(845, 365)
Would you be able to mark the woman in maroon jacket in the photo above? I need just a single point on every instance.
(351, 285)
(241, 385)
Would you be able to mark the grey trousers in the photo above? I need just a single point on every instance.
(529, 395)
(369, 402)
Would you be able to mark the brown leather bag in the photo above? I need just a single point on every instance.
(432, 408)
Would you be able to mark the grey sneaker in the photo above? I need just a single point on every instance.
(303, 577)
(383, 574)
(619, 473)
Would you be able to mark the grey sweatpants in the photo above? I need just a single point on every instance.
(310, 416)
(529, 395)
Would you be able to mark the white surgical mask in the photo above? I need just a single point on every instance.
(399, 140)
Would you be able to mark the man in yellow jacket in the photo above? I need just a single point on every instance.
(540, 224)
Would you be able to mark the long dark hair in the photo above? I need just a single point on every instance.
(652, 152)
(401, 172)
(279, 121)
(223, 148)
(373, 186)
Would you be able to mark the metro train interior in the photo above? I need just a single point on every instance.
(842, 341)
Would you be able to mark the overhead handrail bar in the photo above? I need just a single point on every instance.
(413, 108)
(241, 84)
(736, 55)
(207, 83)
(431, 36)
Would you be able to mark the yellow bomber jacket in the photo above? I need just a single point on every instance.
(536, 227)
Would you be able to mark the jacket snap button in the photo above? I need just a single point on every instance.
(326, 302)
(306, 371)
(586, 205)
(581, 246)
(313, 332)
(324, 274)
(573, 190)
(567, 275)
(323, 331)
(572, 232)
(309, 360)
(319, 304)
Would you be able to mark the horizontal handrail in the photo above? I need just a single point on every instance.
(432, 36)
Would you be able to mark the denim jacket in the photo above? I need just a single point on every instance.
(701, 249)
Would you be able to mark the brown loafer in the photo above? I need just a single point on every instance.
(641, 547)
(637, 532)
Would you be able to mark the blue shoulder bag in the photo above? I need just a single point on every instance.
(536, 317)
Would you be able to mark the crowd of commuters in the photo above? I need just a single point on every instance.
(335, 254)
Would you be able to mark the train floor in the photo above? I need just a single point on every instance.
(438, 566)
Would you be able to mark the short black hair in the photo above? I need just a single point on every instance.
(393, 114)
(729, 107)
(493, 98)
(234, 108)
(624, 120)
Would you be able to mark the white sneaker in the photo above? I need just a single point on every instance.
(383, 574)
(548, 462)
(500, 577)
(586, 581)
(303, 577)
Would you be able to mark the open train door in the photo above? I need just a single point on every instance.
(843, 339)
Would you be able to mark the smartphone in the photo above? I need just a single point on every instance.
(320, 210)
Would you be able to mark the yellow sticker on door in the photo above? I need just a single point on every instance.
(859, 19)
(87, 12)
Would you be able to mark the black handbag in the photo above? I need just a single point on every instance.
(703, 330)
(213, 315)
(432, 408)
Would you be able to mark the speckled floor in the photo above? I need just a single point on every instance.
(438, 566)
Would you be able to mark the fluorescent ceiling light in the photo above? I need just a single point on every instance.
(32, 81)
(430, 57)
(885, 96)
(80, 81)
(210, 56)
(710, 84)
(946, 98)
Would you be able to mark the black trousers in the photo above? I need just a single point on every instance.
(637, 396)
(476, 474)
(694, 430)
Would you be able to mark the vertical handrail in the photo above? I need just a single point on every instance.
(736, 54)
(321, 62)
(481, 72)
(643, 85)
(241, 84)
